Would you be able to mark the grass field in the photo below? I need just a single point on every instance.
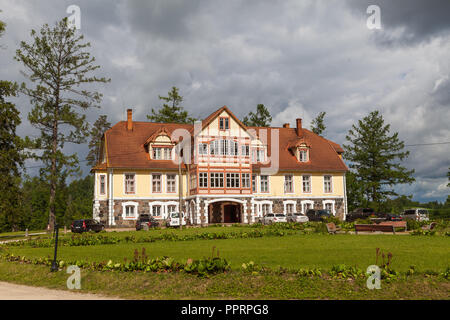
(296, 251)
(426, 253)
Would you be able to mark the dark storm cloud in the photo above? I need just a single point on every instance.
(296, 57)
(407, 21)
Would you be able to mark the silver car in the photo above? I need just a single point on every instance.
(416, 214)
(296, 217)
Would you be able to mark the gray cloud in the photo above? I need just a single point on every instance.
(296, 57)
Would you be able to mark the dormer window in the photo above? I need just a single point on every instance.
(224, 123)
(259, 155)
(303, 155)
(161, 153)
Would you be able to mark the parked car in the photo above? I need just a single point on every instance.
(85, 225)
(393, 217)
(267, 219)
(146, 220)
(296, 217)
(364, 213)
(317, 215)
(279, 217)
(174, 219)
(417, 214)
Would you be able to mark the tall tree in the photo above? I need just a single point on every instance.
(318, 125)
(59, 68)
(261, 118)
(96, 133)
(375, 156)
(11, 156)
(171, 111)
(448, 176)
(11, 159)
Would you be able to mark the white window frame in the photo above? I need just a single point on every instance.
(246, 177)
(130, 204)
(331, 184)
(292, 183)
(286, 203)
(268, 183)
(303, 202)
(200, 179)
(310, 183)
(220, 179)
(125, 183)
(235, 177)
(332, 202)
(256, 183)
(259, 204)
(161, 182)
(100, 176)
(166, 184)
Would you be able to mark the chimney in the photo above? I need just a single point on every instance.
(299, 127)
(286, 125)
(129, 119)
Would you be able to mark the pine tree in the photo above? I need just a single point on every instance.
(96, 133)
(60, 68)
(318, 125)
(375, 156)
(11, 159)
(171, 111)
(261, 118)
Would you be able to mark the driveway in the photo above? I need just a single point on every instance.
(10, 291)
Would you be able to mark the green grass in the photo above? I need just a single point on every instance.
(297, 251)
(235, 285)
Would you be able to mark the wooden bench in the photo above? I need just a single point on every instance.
(396, 224)
(374, 227)
(332, 229)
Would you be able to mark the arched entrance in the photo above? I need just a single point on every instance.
(225, 212)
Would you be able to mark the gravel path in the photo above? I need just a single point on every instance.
(10, 291)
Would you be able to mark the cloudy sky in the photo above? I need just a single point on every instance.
(297, 57)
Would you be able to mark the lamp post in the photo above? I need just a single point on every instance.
(180, 186)
(54, 264)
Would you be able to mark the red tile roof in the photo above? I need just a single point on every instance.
(126, 149)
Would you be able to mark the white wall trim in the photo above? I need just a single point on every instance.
(286, 202)
(303, 202)
(130, 203)
(332, 202)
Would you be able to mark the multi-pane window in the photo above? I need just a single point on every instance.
(171, 182)
(233, 180)
(102, 184)
(253, 182)
(265, 209)
(306, 207)
(214, 147)
(306, 184)
(129, 211)
(258, 155)
(327, 184)
(156, 210)
(203, 149)
(288, 184)
(156, 182)
(246, 180)
(224, 147)
(193, 181)
(224, 123)
(216, 179)
(290, 208)
(303, 155)
(329, 207)
(171, 208)
(162, 153)
(245, 150)
(264, 183)
(129, 183)
(203, 180)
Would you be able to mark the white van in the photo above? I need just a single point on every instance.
(174, 220)
(417, 214)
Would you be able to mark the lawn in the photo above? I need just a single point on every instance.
(294, 251)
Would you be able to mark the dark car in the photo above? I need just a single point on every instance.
(393, 217)
(317, 215)
(86, 225)
(146, 220)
